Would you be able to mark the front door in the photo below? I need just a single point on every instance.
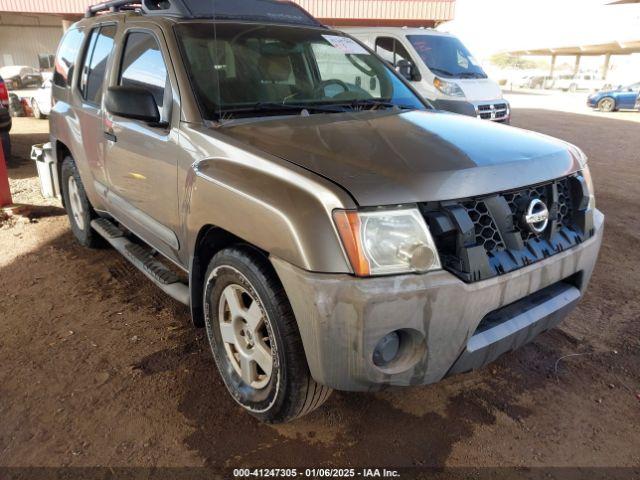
(141, 158)
(627, 99)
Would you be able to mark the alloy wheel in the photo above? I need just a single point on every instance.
(246, 337)
(77, 210)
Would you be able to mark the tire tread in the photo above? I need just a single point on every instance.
(304, 393)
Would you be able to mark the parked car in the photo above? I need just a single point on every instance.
(541, 82)
(325, 224)
(612, 100)
(18, 77)
(5, 119)
(582, 81)
(16, 108)
(40, 102)
(440, 68)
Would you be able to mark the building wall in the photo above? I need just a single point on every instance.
(332, 12)
(23, 37)
(380, 12)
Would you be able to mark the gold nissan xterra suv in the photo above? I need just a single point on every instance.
(328, 227)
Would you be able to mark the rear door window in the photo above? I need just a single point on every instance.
(96, 62)
(67, 57)
(143, 65)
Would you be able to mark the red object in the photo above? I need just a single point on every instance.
(5, 191)
(4, 95)
(26, 106)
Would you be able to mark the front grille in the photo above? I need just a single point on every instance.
(492, 111)
(479, 238)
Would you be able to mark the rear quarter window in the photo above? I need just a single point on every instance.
(67, 57)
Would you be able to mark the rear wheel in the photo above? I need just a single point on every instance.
(607, 104)
(78, 207)
(255, 340)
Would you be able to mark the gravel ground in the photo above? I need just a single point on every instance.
(98, 368)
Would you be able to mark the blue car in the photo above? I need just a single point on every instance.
(612, 100)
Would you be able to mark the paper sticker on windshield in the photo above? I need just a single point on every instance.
(462, 60)
(345, 44)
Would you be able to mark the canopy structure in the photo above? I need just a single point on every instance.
(611, 48)
(607, 49)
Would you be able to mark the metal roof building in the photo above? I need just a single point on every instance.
(29, 28)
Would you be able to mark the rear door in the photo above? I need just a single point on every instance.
(141, 159)
(94, 67)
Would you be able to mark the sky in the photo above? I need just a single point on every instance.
(490, 26)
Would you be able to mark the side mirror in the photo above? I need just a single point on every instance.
(136, 103)
(407, 70)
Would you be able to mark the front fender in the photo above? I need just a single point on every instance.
(276, 206)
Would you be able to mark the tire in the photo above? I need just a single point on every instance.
(77, 205)
(36, 109)
(607, 104)
(240, 279)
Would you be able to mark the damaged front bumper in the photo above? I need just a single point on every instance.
(446, 326)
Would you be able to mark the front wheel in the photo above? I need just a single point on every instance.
(255, 340)
(607, 105)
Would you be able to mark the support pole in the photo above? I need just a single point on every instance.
(5, 191)
(553, 64)
(576, 68)
(605, 68)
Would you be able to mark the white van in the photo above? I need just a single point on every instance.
(440, 68)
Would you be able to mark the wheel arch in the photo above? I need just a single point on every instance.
(62, 151)
(209, 241)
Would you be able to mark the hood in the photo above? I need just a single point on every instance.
(388, 158)
(479, 90)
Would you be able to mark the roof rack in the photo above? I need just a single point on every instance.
(270, 11)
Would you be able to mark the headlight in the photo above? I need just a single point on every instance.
(385, 242)
(586, 174)
(448, 88)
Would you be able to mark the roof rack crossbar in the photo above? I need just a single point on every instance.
(113, 5)
(278, 11)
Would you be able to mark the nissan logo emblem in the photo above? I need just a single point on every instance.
(537, 216)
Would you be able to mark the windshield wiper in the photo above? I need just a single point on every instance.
(280, 107)
(374, 104)
(471, 75)
(442, 71)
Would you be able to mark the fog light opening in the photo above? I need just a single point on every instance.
(387, 349)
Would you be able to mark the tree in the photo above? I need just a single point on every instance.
(504, 60)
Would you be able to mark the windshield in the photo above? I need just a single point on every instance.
(446, 56)
(250, 69)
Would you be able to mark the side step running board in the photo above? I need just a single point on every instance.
(142, 259)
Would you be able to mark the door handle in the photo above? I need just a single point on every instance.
(110, 136)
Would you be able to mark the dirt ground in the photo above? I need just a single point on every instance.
(98, 368)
